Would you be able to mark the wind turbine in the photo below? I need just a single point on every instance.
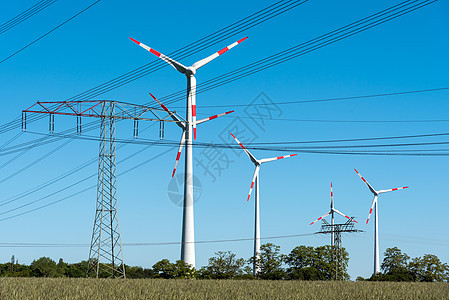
(331, 212)
(188, 230)
(376, 219)
(182, 125)
(255, 180)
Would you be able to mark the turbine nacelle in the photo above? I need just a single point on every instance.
(182, 124)
(190, 71)
(376, 193)
(333, 210)
(257, 163)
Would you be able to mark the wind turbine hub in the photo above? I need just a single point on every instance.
(190, 71)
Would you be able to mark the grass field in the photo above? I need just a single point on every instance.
(67, 288)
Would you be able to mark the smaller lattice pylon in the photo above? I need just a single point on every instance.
(335, 230)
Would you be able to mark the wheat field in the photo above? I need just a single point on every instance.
(76, 288)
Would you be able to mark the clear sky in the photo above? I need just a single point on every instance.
(408, 53)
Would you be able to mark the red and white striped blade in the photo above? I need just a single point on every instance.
(256, 173)
(208, 59)
(183, 138)
(339, 212)
(323, 216)
(276, 158)
(371, 209)
(253, 159)
(194, 115)
(213, 117)
(391, 190)
(364, 180)
(178, 66)
(171, 114)
(332, 198)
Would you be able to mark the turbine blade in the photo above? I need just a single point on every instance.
(364, 180)
(256, 173)
(208, 59)
(253, 159)
(332, 198)
(171, 114)
(194, 114)
(183, 138)
(395, 189)
(371, 209)
(323, 216)
(339, 212)
(178, 66)
(275, 158)
(213, 117)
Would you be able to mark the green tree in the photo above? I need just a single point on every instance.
(166, 269)
(394, 267)
(309, 263)
(270, 262)
(77, 270)
(394, 260)
(138, 272)
(302, 262)
(224, 265)
(429, 268)
(184, 270)
(45, 267)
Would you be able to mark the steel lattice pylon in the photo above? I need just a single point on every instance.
(105, 255)
(335, 230)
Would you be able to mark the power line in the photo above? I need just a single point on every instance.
(25, 15)
(257, 146)
(15, 149)
(235, 28)
(441, 242)
(375, 19)
(278, 146)
(50, 138)
(20, 196)
(304, 48)
(13, 124)
(330, 121)
(47, 154)
(68, 173)
(429, 3)
(250, 144)
(42, 36)
(79, 192)
(330, 99)
(35, 245)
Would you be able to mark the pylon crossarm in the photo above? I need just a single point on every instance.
(123, 110)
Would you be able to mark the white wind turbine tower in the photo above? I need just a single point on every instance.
(331, 212)
(188, 239)
(376, 219)
(255, 180)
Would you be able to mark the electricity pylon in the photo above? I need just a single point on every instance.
(335, 230)
(105, 255)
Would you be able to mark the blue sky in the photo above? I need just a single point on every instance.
(408, 53)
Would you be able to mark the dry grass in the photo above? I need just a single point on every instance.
(66, 288)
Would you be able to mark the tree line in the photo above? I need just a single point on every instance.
(302, 263)
(398, 266)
